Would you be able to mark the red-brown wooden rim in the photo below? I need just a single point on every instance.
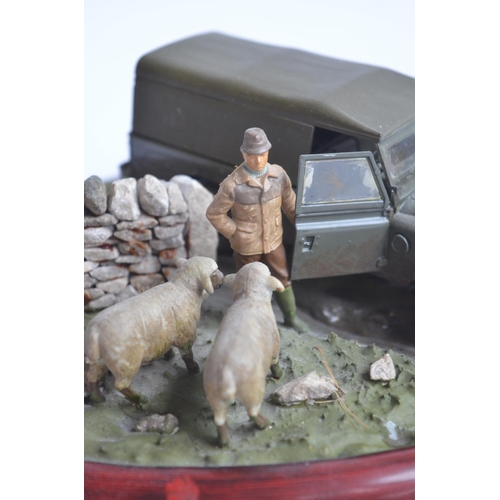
(386, 475)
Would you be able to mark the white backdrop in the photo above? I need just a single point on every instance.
(118, 32)
(42, 50)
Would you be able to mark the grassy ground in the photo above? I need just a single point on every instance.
(299, 433)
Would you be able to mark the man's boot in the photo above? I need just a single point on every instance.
(286, 302)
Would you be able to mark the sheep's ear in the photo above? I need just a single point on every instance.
(274, 284)
(229, 280)
(179, 261)
(207, 285)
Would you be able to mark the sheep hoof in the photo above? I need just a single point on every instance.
(194, 368)
(95, 394)
(134, 397)
(223, 443)
(142, 401)
(191, 364)
(276, 371)
(260, 421)
(97, 398)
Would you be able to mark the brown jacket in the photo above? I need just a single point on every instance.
(255, 223)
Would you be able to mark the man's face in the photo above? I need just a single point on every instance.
(256, 162)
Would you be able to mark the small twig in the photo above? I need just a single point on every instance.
(350, 415)
(325, 362)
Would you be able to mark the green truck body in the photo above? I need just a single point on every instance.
(344, 132)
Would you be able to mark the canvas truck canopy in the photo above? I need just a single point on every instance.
(194, 99)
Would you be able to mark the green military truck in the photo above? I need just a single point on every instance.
(344, 132)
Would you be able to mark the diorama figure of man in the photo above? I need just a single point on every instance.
(255, 194)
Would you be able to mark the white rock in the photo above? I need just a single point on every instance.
(148, 265)
(123, 202)
(129, 291)
(97, 235)
(92, 294)
(309, 387)
(137, 248)
(153, 196)
(143, 222)
(106, 300)
(100, 220)
(88, 265)
(134, 234)
(143, 282)
(172, 220)
(115, 286)
(165, 232)
(174, 242)
(105, 273)
(168, 424)
(88, 282)
(383, 369)
(178, 204)
(203, 237)
(129, 259)
(98, 254)
(94, 192)
(167, 257)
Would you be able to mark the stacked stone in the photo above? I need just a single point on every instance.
(134, 233)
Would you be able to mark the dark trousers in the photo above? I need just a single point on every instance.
(275, 261)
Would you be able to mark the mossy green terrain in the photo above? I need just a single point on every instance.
(301, 432)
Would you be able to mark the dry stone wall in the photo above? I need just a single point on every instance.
(134, 231)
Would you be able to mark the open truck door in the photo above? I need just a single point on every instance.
(342, 216)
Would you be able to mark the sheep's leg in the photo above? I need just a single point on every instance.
(191, 364)
(220, 412)
(95, 394)
(254, 412)
(93, 374)
(188, 358)
(135, 398)
(251, 396)
(276, 371)
(122, 384)
(222, 435)
(260, 421)
(124, 370)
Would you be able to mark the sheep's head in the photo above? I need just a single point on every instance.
(199, 272)
(253, 280)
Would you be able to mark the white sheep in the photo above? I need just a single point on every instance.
(142, 328)
(246, 346)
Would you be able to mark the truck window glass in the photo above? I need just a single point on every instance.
(399, 154)
(339, 180)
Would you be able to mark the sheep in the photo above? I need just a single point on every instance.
(142, 328)
(247, 344)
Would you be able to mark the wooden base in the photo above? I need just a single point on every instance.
(386, 475)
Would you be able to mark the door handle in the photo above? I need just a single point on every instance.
(307, 243)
